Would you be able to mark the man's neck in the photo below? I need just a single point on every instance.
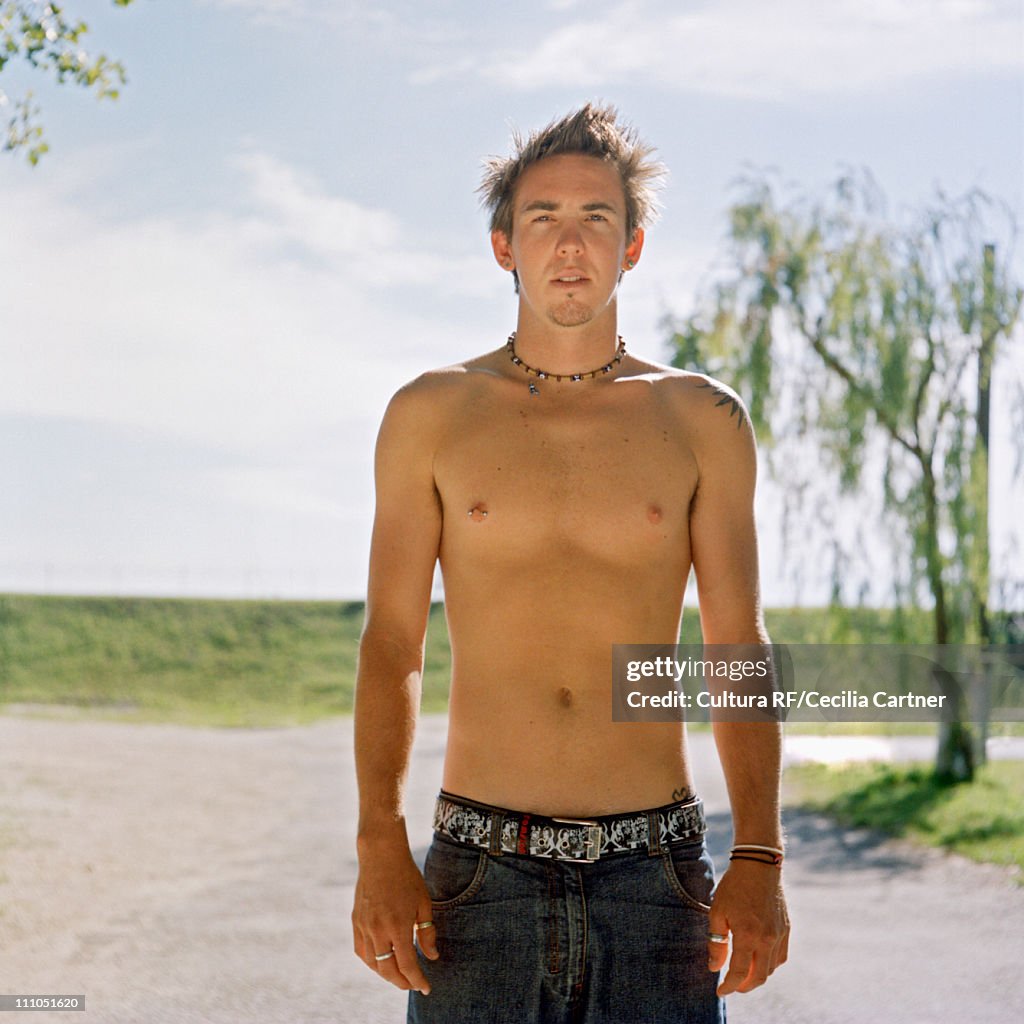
(566, 350)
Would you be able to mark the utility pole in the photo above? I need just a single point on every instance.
(980, 487)
(986, 351)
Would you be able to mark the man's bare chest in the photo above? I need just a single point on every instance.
(593, 477)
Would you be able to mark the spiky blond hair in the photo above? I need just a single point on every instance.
(590, 131)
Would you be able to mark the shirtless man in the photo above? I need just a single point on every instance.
(566, 487)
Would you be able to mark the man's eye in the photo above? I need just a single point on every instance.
(543, 216)
(597, 216)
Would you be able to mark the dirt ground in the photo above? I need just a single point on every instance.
(185, 875)
(173, 874)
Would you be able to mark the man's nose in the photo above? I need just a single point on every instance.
(570, 240)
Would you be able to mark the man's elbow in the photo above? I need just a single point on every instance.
(389, 651)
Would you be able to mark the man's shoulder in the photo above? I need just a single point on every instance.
(454, 379)
(435, 395)
(717, 404)
(702, 399)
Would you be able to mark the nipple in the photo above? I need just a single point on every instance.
(478, 513)
(654, 514)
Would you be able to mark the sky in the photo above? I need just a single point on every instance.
(210, 288)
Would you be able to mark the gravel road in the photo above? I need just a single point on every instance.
(177, 876)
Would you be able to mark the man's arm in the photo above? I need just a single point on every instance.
(391, 896)
(748, 902)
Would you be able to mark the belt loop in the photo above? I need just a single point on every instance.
(653, 834)
(497, 817)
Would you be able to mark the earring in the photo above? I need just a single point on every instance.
(631, 264)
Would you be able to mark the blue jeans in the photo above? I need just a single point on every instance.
(530, 940)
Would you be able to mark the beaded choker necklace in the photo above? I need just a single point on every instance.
(510, 347)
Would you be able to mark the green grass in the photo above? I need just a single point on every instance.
(848, 626)
(264, 663)
(196, 662)
(213, 662)
(983, 820)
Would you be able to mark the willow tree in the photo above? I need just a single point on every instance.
(42, 36)
(861, 338)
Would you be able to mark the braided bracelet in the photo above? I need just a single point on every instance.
(761, 849)
(764, 854)
(776, 863)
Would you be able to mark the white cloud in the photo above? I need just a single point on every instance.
(301, 210)
(751, 50)
(362, 245)
(230, 327)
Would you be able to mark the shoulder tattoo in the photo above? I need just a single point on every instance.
(725, 398)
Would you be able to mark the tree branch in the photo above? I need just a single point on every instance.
(832, 362)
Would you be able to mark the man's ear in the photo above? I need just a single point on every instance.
(502, 250)
(633, 250)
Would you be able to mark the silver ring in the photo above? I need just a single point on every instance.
(715, 937)
(420, 925)
(384, 956)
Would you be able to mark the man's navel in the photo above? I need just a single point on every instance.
(565, 697)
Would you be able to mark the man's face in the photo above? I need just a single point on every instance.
(568, 240)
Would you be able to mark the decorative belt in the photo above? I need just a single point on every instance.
(584, 840)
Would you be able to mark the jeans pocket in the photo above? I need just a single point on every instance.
(453, 873)
(690, 874)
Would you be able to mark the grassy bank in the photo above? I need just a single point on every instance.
(983, 820)
(261, 663)
(239, 663)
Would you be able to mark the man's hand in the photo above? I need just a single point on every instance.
(391, 899)
(750, 904)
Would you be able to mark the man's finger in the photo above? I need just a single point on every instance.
(718, 949)
(408, 964)
(718, 941)
(386, 964)
(364, 949)
(739, 968)
(781, 951)
(426, 937)
(758, 973)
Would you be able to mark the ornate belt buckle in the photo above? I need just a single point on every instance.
(591, 839)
